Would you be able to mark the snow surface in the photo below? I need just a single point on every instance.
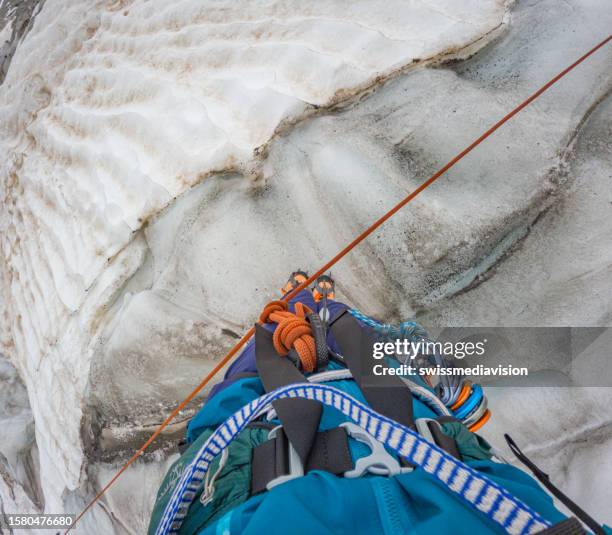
(132, 104)
(169, 163)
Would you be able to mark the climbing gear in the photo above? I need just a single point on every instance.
(469, 485)
(300, 446)
(471, 406)
(485, 418)
(295, 279)
(378, 461)
(296, 446)
(426, 396)
(555, 491)
(341, 254)
(388, 394)
(300, 336)
(476, 415)
(463, 395)
(466, 401)
(276, 461)
(293, 333)
(324, 288)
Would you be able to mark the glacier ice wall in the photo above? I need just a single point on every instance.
(110, 110)
(19, 470)
(168, 163)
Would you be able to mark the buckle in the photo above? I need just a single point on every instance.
(422, 426)
(294, 464)
(379, 462)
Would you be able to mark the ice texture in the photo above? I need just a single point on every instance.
(111, 111)
(168, 164)
(18, 452)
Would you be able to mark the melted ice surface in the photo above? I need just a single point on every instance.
(129, 106)
(129, 255)
(110, 110)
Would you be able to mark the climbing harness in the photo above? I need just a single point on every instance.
(423, 394)
(493, 498)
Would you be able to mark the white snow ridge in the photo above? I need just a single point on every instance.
(167, 164)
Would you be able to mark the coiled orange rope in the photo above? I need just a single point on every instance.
(293, 331)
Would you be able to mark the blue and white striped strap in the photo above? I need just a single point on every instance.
(479, 492)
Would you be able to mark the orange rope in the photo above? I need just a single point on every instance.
(333, 261)
(293, 331)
